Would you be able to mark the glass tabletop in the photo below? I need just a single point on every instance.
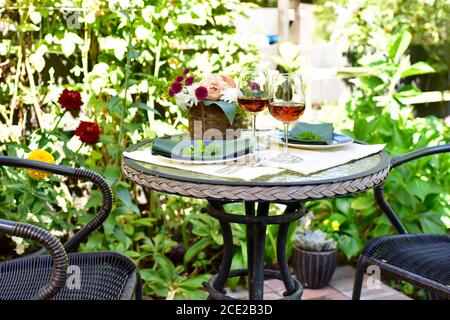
(349, 171)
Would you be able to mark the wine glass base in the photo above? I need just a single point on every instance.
(260, 147)
(286, 157)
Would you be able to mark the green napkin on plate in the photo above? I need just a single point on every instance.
(307, 133)
(201, 150)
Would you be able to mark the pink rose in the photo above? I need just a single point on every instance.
(229, 81)
(216, 84)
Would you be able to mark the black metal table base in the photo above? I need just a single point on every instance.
(256, 220)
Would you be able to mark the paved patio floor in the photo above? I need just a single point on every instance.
(340, 288)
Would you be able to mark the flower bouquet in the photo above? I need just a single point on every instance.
(211, 104)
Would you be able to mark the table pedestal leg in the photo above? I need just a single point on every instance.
(281, 251)
(250, 211)
(256, 256)
(256, 237)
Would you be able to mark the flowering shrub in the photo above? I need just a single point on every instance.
(115, 67)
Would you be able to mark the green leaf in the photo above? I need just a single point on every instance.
(124, 195)
(418, 68)
(350, 246)
(195, 249)
(151, 275)
(237, 263)
(143, 106)
(363, 202)
(343, 205)
(111, 174)
(400, 46)
(422, 189)
(95, 199)
(432, 227)
(146, 222)
(122, 237)
(228, 108)
(22, 210)
(94, 242)
(166, 266)
(195, 282)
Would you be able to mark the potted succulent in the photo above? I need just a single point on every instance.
(314, 258)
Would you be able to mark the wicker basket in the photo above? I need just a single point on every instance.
(212, 120)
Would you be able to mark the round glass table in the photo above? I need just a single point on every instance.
(288, 188)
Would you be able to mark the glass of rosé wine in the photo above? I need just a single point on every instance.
(286, 104)
(253, 95)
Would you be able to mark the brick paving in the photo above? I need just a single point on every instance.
(340, 288)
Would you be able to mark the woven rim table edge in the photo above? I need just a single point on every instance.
(384, 163)
(248, 193)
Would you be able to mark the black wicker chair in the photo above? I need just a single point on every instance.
(91, 276)
(421, 259)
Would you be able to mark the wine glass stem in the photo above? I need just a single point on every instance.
(254, 126)
(286, 132)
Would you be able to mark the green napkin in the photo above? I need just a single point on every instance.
(201, 150)
(307, 133)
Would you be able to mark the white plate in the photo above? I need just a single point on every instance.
(339, 140)
(200, 161)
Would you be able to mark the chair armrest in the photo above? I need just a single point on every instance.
(395, 162)
(84, 174)
(413, 155)
(53, 246)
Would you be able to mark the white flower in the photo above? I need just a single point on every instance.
(230, 95)
(187, 97)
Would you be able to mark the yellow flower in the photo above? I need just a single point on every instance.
(325, 222)
(335, 225)
(42, 156)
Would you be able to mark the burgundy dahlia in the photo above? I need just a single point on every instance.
(88, 132)
(176, 87)
(201, 93)
(186, 71)
(70, 100)
(179, 78)
(189, 81)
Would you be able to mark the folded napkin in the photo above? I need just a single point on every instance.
(307, 133)
(318, 160)
(201, 150)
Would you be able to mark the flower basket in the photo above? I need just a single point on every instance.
(213, 121)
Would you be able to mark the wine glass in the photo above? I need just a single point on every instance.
(287, 104)
(253, 96)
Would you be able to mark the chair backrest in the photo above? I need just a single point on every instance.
(397, 161)
(84, 174)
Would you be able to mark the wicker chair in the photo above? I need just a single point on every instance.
(421, 259)
(73, 276)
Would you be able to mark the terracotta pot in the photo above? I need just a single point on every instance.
(313, 267)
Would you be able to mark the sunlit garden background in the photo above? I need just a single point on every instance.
(379, 70)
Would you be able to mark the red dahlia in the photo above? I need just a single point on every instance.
(88, 132)
(70, 100)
